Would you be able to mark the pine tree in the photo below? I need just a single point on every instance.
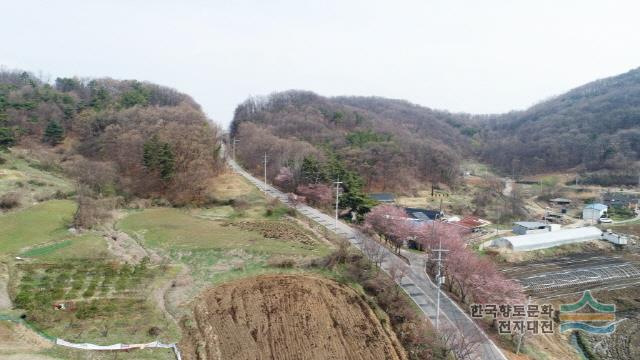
(53, 134)
(7, 138)
(158, 156)
(166, 162)
(150, 152)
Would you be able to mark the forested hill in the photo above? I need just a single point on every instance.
(128, 138)
(593, 127)
(390, 144)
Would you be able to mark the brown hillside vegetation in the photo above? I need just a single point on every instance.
(286, 317)
(391, 144)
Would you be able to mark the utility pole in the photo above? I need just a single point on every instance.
(265, 171)
(439, 277)
(337, 182)
(235, 141)
(524, 329)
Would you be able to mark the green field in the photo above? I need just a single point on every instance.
(39, 224)
(175, 229)
(109, 301)
(106, 302)
(29, 177)
(85, 246)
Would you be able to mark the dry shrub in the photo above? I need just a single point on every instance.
(416, 335)
(240, 204)
(281, 262)
(139, 204)
(10, 200)
(92, 212)
(99, 176)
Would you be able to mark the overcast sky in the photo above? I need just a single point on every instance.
(471, 56)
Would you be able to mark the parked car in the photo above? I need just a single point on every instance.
(605, 221)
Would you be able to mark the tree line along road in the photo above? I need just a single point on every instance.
(415, 281)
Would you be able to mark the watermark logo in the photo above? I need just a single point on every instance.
(517, 318)
(571, 319)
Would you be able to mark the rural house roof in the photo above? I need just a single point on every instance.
(560, 200)
(472, 222)
(530, 224)
(598, 207)
(383, 197)
(423, 214)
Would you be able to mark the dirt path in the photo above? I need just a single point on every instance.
(128, 249)
(17, 338)
(5, 301)
(167, 296)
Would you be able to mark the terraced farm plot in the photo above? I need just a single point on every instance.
(85, 246)
(286, 317)
(575, 273)
(39, 224)
(103, 302)
(175, 229)
(20, 173)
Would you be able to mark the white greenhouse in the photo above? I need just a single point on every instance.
(548, 239)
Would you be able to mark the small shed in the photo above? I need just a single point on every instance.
(560, 201)
(594, 211)
(618, 239)
(529, 227)
(387, 198)
(548, 239)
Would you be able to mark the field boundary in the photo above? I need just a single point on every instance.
(89, 346)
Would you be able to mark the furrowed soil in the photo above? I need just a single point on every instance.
(286, 317)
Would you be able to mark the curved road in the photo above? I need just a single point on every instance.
(415, 281)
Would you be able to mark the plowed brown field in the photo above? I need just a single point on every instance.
(286, 317)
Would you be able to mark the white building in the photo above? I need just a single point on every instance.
(548, 239)
(618, 239)
(594, 212)
(533, 227)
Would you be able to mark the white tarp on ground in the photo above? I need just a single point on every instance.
(548, 239)
(86, 346)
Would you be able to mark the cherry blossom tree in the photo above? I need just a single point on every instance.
(391, 223)
(471, 277)
(284, 179)
(316, 194)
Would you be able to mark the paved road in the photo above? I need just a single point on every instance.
(628, 220)
(415, 283)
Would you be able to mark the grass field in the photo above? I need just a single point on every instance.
(38, 224)
(175, 229)
(109, 301)
(85, 246)
(25, 175)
